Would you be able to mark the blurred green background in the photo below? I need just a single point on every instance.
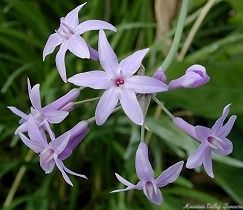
(25, 26)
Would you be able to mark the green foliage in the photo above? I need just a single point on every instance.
(24, 28)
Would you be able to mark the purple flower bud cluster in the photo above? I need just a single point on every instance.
(122, 87)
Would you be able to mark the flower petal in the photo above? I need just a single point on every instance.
(131, 107)
(169, 175)
(60, 61)
(129, 65)
(185, 126)
(55, 117)
(202, 133)
(129, 185)
(35, 97)
(225, 147)
(219, 123)
(59, 144)
(78, 46)
(53, 41)
(144, 169)
(145, 84)
(62, 101)
(106, 105)
(78, 132)
(196, 158)
(90, 25)
(207, 162)
(107, 57)
(36, 146)
(92, 79)
(71, 18)
(225, 130)
(60, 165)
(160, 75)
(153, 193)
(94, 55)
(18, 112)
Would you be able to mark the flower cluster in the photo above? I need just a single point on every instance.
(122, 87)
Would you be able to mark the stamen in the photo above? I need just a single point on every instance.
(215, 143)
(119, 82)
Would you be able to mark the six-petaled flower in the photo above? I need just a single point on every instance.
(211, 140)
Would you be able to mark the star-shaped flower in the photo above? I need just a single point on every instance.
(59, 149)
(211, 140)
(119, 82)
(148, 183)
(68, 37)
(53, 113)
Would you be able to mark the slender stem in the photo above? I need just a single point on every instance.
(176, 41)
(142, 131)
(17, 180)
(87, 100)
(195, 28)
(171, 116)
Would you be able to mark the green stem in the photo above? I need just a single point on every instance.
(17, 180)
(176, 41)
(171, 116)
(87, 100)
(195, 28)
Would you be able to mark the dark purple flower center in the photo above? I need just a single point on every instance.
(119, 82)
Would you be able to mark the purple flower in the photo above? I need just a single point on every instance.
(195, 76)
(119, 83)
(211, 139)
(160, 75)
(148, 183)
(59, 149)
(68, 37)
(53, 113)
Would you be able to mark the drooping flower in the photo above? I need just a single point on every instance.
(119, 83)
(59, 149)
(195, 76)
(68, 37)
(211, 140)
(53, 113)
(148, 183)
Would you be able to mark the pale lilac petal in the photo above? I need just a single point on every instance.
(62, 101)
(60, 164)
(90, 25)
(225, 130)
(54, 117)
(219, 123)
(78, 132)
(36, 146)
(22, 128)
(196, 158)
(195, 76)
(185, 126)
(131, 64)
(35, 133)
(35, 97)
(60, 143)
(131, 106)
(107, 57)
(72, 172)
(144, 169)
(47, 162)
(169, 175)
(153, 193)
(207, 162)
(60, 61)
(129, 185)
(92, 79)
(18, 112)
(225, 147)
(53, 41)
(160, 75)
(94, 55)
(71, 18)
(78, 46)
(202, 133)
(145, 84)
(106, 105)
(68, 107)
